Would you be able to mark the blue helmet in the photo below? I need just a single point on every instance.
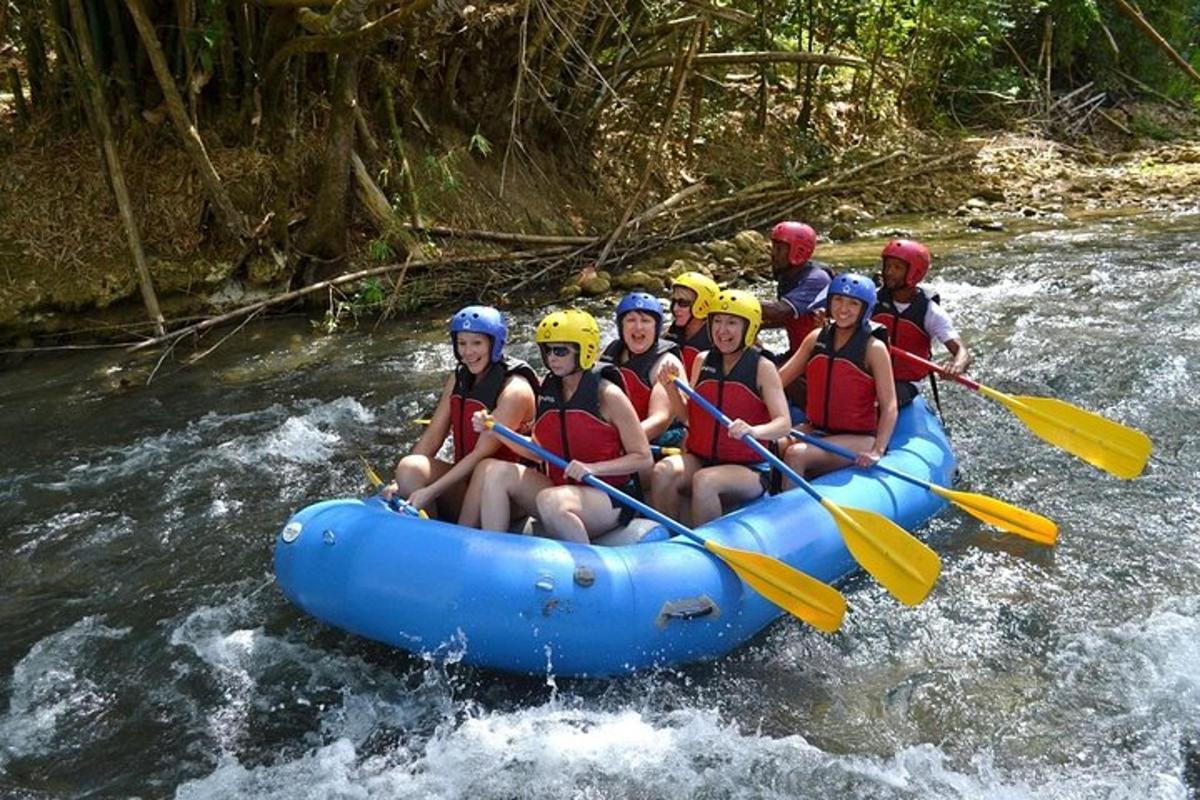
(639, 301)
(481, 319)
(860, 287)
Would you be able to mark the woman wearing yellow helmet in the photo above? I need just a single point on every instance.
(584, 416)
(692, 293)
(734, 376)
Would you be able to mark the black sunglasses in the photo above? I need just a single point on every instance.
(557, 350)
(679, 302)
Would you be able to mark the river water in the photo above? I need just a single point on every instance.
(147, 653)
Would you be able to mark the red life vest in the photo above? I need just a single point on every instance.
(906, 330)
(736, 394)
(473, 394)
(636, 370)
(575, 429)
(799, 326)
(690, 347)
(841, 392)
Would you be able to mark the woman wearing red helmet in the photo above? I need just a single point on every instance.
(914, 317)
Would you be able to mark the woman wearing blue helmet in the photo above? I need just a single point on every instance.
(485, 380)
(851, 394)
(641, 353)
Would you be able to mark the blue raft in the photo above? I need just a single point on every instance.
(534, 605)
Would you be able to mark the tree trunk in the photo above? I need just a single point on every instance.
(323, 240)
(115, 172)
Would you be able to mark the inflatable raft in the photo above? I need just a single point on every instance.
(632, 600)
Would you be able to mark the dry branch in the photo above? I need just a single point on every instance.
(758, 57)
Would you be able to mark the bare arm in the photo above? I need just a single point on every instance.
(793, 368)
(776, 312)
(661, 412)
(961, 357)
(879, 362)
(514, 408)
(771, 389)
(616, 408)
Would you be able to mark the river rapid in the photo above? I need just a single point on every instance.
(146, 651)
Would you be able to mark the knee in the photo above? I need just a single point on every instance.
(412, 473)
(551, 506)
(704, 483)
(664, 475)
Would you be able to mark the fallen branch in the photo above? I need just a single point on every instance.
(321, 286)
(499, 236)
(754, 57)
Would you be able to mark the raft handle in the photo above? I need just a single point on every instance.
(687, 609)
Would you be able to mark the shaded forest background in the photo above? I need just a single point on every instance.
(175, 146)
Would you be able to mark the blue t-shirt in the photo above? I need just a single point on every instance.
(800, 288)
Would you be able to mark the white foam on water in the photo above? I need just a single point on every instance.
(51, 690)
(555, 752)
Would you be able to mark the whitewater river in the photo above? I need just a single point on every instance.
(146, 652)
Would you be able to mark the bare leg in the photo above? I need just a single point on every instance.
(811, 461)
(671, 478)
(505, 485)
(731, 483)
(576, 513)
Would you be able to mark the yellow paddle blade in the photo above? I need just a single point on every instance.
(1002, 515)
(370, 472)
(1111, 446)
(903, 564)
(801, 595)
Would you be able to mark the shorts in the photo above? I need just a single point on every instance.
(672, 436)
(768, 476)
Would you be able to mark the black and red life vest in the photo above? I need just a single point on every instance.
(689, 347)
(636, 370)
(737, 395)
(841, 392)
(473, 394)
(574, 429)
(802, 324)
(906, 330)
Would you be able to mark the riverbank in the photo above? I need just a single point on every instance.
(64, 273)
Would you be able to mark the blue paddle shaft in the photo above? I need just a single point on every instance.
(593, 481)
(755, 444)
(838, 450)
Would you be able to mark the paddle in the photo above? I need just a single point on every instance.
(396, 503)
(903, 564)
(801, 595)
(663, 452)
(998, 513)
(1111, 446)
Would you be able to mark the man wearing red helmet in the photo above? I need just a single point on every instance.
(913, 317)
(800, 282)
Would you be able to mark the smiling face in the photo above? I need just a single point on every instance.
(638, 331)
(682, 299)
(844, 311)
(474, 350)
(728, 332)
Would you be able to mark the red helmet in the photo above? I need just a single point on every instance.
(913, 253)
(800, 238)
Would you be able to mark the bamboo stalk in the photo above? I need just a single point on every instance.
(755, 57)
(115, 172)
(1157, 38)
(226, 211)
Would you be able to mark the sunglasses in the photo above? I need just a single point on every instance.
(679, 302)
(557, 350)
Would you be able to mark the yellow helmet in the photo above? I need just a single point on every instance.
(574, 326)
(737, 303)
(706, 290)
